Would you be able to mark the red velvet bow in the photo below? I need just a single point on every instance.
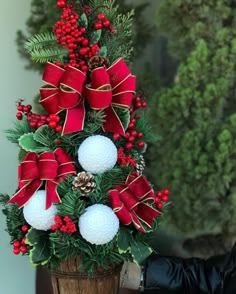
(132, 202)
(110, 87)
(51, 167)
(63, 92)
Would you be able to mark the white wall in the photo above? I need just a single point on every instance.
(16, 274)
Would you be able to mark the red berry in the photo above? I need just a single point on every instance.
(133, 133)
(61, 4)
(112, 30)
(23, 249)
(138, 105)
(101, 16)
(16, 251)
(57, 141)
(58, 129)
(159, 205)
(25, 109)
(140, 144)
(116, 137)
(52, 124)
(82, 30)
(127, 134)
(129, 146)
(135, 173)
(166, 192)
(23, 241)
(85, 42)
(144, 104)
(33, 124)
(157, 200)
(16, 243)
(159, 194)
(165, 198)
(19, 115)
(25, 228)
(139, 135)
(137, 99)
(83, 51)
(131, 139)
(84, 68)
(131, 126)
(106, 23)
(20, 107)
(54, 117)
(29, 107)
(98, 26)
(133, 120)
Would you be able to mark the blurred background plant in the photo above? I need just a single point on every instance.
(196, 118)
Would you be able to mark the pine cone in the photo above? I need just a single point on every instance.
(140, 166)
(98, 61)
(84, 182)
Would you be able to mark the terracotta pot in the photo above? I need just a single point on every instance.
(67, 280)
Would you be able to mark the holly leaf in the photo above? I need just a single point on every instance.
(28, 143)
(124, 240)
(83, 21)
(95, 37)
(40, 252)
(103, 51)
(140, 251)
(124, 116)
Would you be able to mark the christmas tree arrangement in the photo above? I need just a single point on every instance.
(83, 205)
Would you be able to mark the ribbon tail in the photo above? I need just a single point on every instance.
(51, 194)
(137, 223)
(119, 208)
(112, 123)
(25, 193)
(74, 121)
(147, 213)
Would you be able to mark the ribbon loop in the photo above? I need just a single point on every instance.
(64, 92)
(132, 202)
(110, 87)
(47, 167)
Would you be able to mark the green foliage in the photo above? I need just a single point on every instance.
(39, 241)
(41, 41)
(28, 143)
(197, 150)
(21, 127)
(48, 55)
(14, 218)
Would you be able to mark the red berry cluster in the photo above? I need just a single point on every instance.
(53, 121)
(132, 136)
(124, 159)
(20, 246)
(103, 22)
(65, 225)
(22, 109)
(138, 103)
(38, 120)
(73, 37)
(162, 196)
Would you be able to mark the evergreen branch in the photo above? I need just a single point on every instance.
(21, 127)
(71, 205)
(48, 55)
(41, 41)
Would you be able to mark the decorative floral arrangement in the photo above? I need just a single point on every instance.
(81, 189)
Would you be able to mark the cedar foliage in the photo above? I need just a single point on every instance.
(196, 117)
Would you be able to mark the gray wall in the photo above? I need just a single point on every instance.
(16, 274)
